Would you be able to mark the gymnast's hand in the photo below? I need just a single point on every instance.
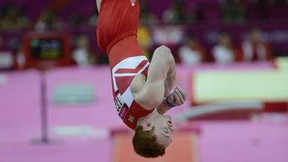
(177, 97)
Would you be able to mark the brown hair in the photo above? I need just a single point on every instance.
(145, 144)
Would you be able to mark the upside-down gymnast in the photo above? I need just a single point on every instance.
(143, 92)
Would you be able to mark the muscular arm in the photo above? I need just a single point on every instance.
(160, 79)
(170, 82)
(177, 98)
(163, 107)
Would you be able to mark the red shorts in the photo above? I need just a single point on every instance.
(117, 19)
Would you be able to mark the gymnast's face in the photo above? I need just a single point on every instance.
(163, 129)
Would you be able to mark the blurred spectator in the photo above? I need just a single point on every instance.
(20, 59)
(94, 17)
(224, 52)
(192, 53)
(13, 43)
(175, 13)
(82, 55)
(48, 20)
(12, 18)
(146, 16)
(144, 38)
(6, 57)
(233, 11)
(167, 34)
(254, 48)
(76, 20)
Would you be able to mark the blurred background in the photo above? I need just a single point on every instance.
(55, 89)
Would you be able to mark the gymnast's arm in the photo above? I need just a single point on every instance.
(153, 91)
(176, 98)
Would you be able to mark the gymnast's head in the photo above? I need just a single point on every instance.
(152, 136)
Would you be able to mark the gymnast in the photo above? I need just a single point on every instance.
(143, 92)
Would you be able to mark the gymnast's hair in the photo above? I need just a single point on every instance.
(145, 144)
